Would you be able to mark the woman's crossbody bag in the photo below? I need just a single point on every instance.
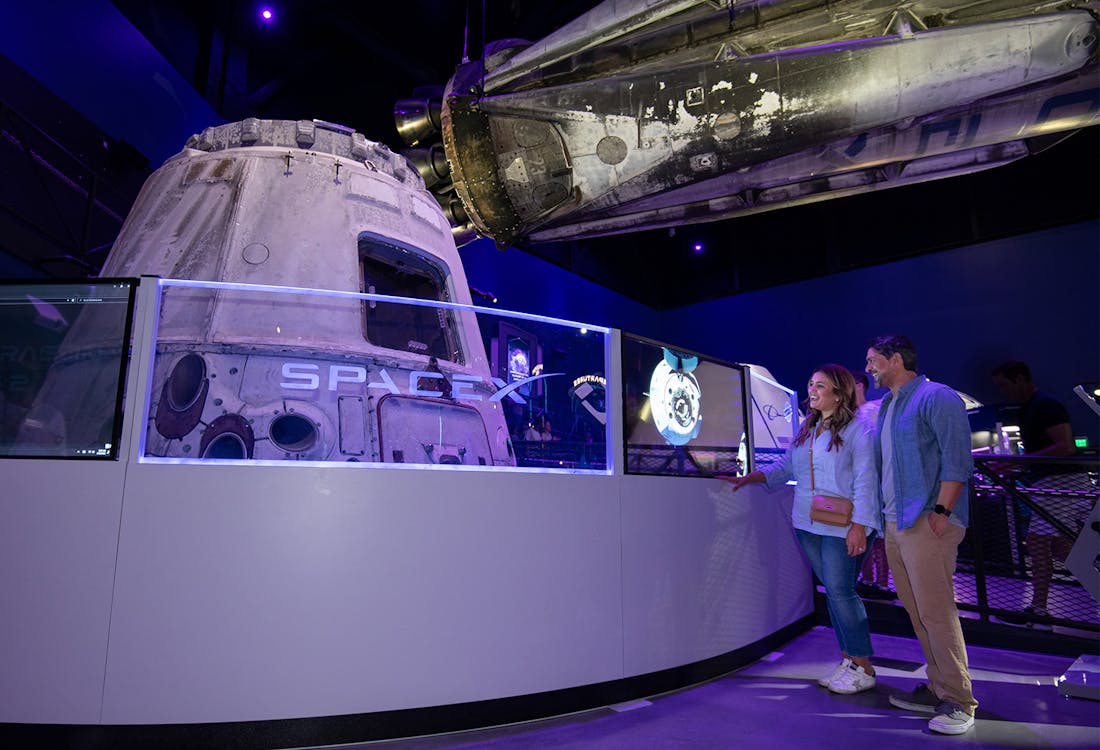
(827, 509)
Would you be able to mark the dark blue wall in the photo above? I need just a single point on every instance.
(528, 284)
(89, 55)
(1032, 297)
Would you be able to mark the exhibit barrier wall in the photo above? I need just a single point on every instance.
(162, 587)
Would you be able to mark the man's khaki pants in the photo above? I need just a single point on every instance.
(923, 565)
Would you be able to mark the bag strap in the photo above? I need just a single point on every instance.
(813, 436)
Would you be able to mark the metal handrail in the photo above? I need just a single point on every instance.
(1007, 481)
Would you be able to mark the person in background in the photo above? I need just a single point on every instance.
(838, 447)
(867, 409)
(1044, 422)
(874, 580)
(1045, 430)
(922, 450)
(1045, 544)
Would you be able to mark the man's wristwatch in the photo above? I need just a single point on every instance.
(943, 511)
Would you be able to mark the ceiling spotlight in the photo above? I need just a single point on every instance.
(697, 247)
(267, 15)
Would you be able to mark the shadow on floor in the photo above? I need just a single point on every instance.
(775, 703)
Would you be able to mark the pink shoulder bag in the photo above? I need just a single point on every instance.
(827, 509)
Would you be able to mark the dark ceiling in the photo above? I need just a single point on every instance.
(349, 62)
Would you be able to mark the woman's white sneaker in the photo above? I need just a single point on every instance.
(854, 679)
(825, 680)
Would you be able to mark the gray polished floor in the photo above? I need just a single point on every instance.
(775, 704)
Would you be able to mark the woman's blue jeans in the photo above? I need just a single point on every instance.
(837, 571)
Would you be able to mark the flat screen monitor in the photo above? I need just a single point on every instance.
(684, 413)
(517, 356)
(64, 347)
(519, 359)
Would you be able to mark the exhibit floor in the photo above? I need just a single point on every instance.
(775, 703)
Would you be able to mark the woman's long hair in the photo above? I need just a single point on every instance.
(844, 388)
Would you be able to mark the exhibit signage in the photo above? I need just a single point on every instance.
(306, 376)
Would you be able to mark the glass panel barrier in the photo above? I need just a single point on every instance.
(254, 373)
(775, 417)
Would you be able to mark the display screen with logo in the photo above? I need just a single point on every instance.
(519, 361)
(684, 414)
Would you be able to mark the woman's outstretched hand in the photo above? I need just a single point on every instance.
(738, 482)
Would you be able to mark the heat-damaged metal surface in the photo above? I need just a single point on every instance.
(647, 114)
(241, 374)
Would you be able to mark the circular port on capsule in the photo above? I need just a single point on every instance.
(226, 445)
(293, 433)
(228, 437)
(185, 384)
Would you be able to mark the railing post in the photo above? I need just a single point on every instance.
(975, 530)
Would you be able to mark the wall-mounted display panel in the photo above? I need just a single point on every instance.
(64, 348)
(684, 414)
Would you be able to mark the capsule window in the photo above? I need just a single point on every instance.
(400, 272)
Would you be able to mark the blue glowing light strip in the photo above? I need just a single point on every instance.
(378, 298)
(769, 381)
(359, 465)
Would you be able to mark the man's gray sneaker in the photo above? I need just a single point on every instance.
(950, 718)
(921, 699)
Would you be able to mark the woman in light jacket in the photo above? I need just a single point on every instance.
(844, 466)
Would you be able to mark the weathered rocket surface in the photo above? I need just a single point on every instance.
(328, 375)
(644, 114)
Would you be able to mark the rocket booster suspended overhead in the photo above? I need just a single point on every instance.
(639, 115)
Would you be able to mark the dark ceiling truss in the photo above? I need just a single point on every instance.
(54, 202)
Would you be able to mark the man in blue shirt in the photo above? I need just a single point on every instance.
(922, 451)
